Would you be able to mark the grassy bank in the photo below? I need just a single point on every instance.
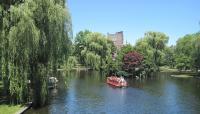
(177, 73)
(167, 69)
(181, 76)
(10, 109)
(6, 108)
(76, 67)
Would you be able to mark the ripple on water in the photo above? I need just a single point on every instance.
(88, 93)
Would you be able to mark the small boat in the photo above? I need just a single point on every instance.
(116, 81)
(52, 82)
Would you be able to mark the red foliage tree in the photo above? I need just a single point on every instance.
(131, 61)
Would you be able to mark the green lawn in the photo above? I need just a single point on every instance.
(9, 109)
(182, 76)
(167, 69)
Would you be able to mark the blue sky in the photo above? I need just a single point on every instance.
(175, 18)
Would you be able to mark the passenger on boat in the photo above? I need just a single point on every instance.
(122, 79)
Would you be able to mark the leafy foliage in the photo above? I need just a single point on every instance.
(70, 63)
(196, 51)
(151, 47)
(120, 54)
(187, 52)
(34, 39)
(131, 61)
(169, 57)
(94, 49)
(122, 73)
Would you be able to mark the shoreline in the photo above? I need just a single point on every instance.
(22, 110)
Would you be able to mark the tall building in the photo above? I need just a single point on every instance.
(117, 39)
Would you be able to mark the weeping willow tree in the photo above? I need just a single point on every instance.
(70, 63)
(94, 49)
(35, 35)
(152, 46)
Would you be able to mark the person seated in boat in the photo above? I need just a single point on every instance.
(122, 79)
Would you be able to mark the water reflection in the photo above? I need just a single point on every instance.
(87, 92)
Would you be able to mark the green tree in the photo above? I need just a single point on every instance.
(196, 51)
(169, 56)
(35, 36)
(183, 62)
(120, 54)
(94, 48)
(80, 42)
(157, 41)
(145, 49)
(183, 52)
(70, 63)
(151, 46)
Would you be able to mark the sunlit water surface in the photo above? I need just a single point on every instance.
(87, 92)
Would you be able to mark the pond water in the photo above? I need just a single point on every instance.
(87, 92)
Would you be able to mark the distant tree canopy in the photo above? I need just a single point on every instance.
(151, 46)
(184, 55)
(120, 55)
(94, 49)
(188, 51)
(196, 52)
(34, 37)
(169, 57)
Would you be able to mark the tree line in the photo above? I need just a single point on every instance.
(152, 51)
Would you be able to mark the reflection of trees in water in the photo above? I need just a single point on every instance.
(54, 92)
(162, 85)
(137, 83)
(189, 85)
(68, 76)
(65, 78)
(87, 87)
(154, 84)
